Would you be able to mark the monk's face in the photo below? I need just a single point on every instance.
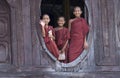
(77, 11)
(46, 19)
(61, 21)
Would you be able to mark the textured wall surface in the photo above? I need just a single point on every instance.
(24, 55)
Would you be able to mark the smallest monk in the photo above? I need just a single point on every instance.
(62, 37)
(49, 35)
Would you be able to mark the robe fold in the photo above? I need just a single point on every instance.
(78, 32)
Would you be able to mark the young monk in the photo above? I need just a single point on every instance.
(78, 30)
(62, 37)
(49, 35)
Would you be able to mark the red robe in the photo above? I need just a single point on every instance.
(50, 44)
(62, 35)
(79, 30)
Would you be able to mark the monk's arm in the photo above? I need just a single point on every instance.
(53, 37)
(43, 31)
(85, 43)
(53, 33)
(65, 45)
(85, 40)
(69, 25)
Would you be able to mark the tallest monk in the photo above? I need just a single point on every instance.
(78, 30)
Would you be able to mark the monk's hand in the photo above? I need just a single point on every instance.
(41, 22)
(63, 50)
(86, 45)
(60, 51)
(51, 36)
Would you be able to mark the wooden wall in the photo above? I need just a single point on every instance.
(21, 49)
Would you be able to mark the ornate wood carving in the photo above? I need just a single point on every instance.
(5, 34)
(3, 28)
(3, 53)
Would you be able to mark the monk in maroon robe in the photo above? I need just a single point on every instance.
(78, 30)
(49, 36)
(62, 36)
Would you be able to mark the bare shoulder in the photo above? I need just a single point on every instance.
(71, 20)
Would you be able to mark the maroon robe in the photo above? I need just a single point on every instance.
(79, 30)
(50, 44)
(62, 35)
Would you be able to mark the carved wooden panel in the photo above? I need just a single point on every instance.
(3, 25)
(105, 45)
(4, 55)
(5, 42)
(2, 28)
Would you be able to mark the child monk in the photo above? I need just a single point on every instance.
(62, 37)
(78, 30)
(49, 35)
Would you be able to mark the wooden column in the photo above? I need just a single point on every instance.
(67, 10)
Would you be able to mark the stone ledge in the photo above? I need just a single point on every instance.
(38, 74)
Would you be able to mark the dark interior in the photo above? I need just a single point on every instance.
(56, 8)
